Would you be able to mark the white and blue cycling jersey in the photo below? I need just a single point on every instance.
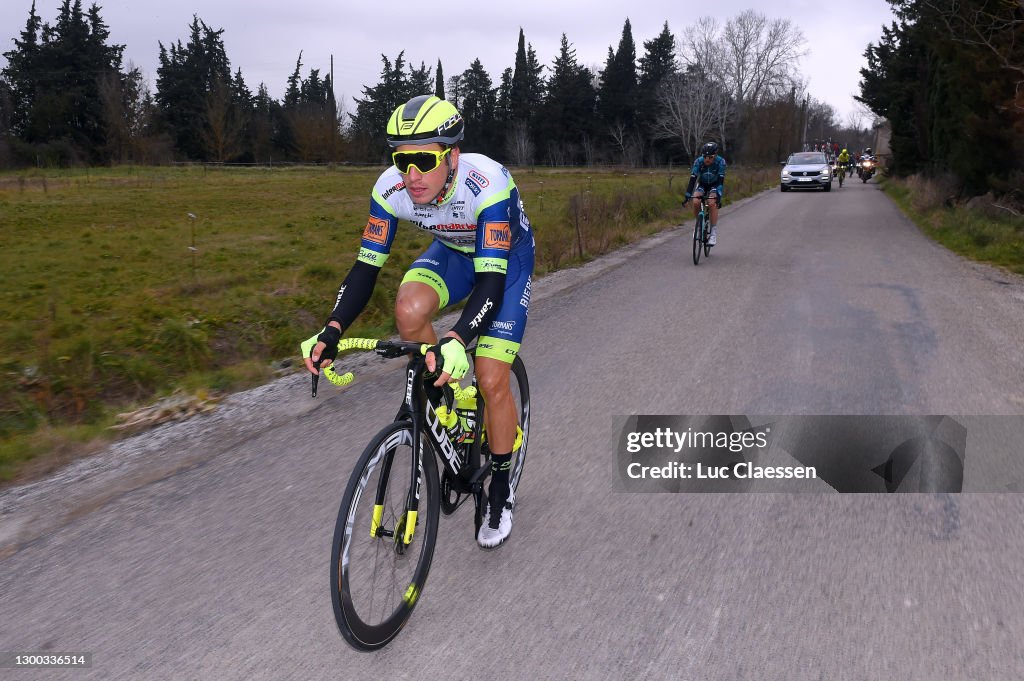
(483, 246)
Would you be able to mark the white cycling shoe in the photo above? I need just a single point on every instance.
(713, 237)
(493, 534)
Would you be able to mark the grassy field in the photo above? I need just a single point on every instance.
(995, 236)
(121, 285)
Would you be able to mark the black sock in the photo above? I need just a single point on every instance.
(501, 464)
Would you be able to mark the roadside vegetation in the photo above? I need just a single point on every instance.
(982, 228)
(125, 285)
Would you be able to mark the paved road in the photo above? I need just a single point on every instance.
(214, 564)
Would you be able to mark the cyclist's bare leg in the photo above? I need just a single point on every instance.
(713, 202)
(696, 201)
(500, 413)
(415, 308)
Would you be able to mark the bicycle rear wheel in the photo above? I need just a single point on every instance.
(381, 551)
(698, 238)
(521, 396)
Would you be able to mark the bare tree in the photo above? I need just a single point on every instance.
(589, 149)
(690, 109)
(761, 56)
(703, 52)
(701, 48)
(518, 144)
(617, 130)
(862, 118)
(559, 153)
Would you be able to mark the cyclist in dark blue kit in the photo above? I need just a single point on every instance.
(708, 176)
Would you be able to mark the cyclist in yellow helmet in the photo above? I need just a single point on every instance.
(843, 161)
(483, 251)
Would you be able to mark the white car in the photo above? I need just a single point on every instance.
(806, 169)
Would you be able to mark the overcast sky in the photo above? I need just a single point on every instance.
(264, 37)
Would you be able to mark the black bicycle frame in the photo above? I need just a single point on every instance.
(419, 406)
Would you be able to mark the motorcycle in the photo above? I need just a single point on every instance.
(866, 168)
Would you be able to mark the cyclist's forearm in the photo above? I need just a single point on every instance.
(354, 293)
(481, 307)
(689, 186)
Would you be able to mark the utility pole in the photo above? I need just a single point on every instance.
(803, 116)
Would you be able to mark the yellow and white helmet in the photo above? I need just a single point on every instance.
(425, 119)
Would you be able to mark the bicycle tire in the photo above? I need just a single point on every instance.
(698, 238)
(355, 551)
(707, 241)
(521, 395)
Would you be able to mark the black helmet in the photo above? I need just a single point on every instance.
(709, 149)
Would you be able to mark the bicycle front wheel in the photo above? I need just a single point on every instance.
(382, 548)
(698, 238)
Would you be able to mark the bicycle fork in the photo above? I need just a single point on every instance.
(405, 525)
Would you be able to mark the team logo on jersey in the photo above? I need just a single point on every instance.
(376, 230)
(392, 190)
(497, 235)
(473, 186)
(481, 181)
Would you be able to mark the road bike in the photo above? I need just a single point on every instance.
(387, 524)
(701, 230)
(841, 172)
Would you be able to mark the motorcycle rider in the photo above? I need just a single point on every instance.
(868, 158)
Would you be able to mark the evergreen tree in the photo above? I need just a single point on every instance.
(535, 79)
(478, 104)
(23, 72)
(618, 89)
(369, 123)
(315, 133)
(503, 107)
(567, 126)
(656, 66)
(265, 123)
(54, 75)
(526, 89)
(931, 61)
(439, 82)
(192, 82)
(293, 92)
(420, 81)
(659, 60)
